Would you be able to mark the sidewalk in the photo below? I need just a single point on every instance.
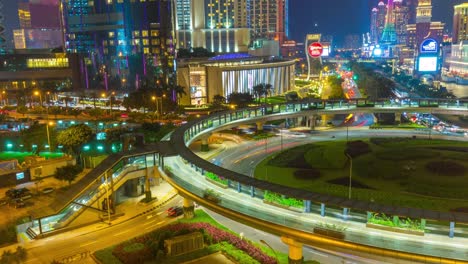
(127, 210)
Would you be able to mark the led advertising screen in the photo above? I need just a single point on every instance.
(326, 51)
(427, 64)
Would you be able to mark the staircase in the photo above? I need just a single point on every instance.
(31, 234)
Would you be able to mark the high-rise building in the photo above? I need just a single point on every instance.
(124, 41)
(38, 31)
(2, 31)
(389, 34)
(381, 13)
(425, 38)
(460, 23)
(374, 28)
(267, 18)
(217, 25)
(401, 19)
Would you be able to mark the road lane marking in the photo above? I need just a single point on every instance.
(149, 216)
(87, 244)
(158, 223)
(160, 213)
(123, 232)
(150, 222)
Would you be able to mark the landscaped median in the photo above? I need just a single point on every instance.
(150, 248)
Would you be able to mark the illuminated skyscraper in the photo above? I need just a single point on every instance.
(374, 29)
(38, 31)
(2, 30)
(381, 13)
(267, 18)
(401, 19)
(389, 33)
(425, 38)
(460, 23)
(123, 40)
(217, 25)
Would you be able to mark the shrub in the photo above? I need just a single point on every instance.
(311, 174)
(216, 178)
(279, 199)
(445, 167)
(357, 148)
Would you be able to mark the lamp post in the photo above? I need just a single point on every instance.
(37, 93)
(350, 174)
(162, 98)
(155, 99)
(266, 244)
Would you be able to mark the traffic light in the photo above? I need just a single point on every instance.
(355, 77)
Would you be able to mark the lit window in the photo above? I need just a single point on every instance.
(144, 33)
(111, 34)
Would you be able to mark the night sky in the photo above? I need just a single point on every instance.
(332, 17)
(341, 17)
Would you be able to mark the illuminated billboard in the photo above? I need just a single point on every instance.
(427, 64)
(429, 46)
(315, 50)
(326, 51)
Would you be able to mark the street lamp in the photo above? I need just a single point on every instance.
(350, 173)
(37, 93)
(266, 244)
(48, 134)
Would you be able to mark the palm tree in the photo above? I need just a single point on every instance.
(179, 91)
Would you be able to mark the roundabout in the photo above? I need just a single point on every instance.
(318, 210)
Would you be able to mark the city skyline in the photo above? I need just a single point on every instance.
(320, 21)
(301, 22)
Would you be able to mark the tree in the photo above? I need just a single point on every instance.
(240, 99)
(68, 173)
(74, 137)
(55, 110)
(21, 109)
(36, 135)
(218, 101)
(335, 85)
(21, 254)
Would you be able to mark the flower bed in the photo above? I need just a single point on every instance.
(150, 246)
(215, 235)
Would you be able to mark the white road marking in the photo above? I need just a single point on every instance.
(123, 232)
(87, 244)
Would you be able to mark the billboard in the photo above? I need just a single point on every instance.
(427, 64)
(315, 50)
(429, 46)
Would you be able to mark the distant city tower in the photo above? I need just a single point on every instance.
(389, 35)
(2, 31)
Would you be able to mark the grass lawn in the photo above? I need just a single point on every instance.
(8, 155)
(106, 256)
(394, 172)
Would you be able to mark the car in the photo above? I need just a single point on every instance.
(47, 190)
(175, 211)
(17, 193)
(17, 203)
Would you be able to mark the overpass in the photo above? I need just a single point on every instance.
(294, 232)
(184, 169)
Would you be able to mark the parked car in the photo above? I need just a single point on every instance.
(17, 203)
(47, 190)
(175, 211)
(17, 193)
